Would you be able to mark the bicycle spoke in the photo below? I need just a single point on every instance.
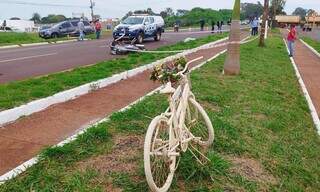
(159, 160)
(195, 123)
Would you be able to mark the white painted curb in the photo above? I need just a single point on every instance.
(312, 109)
(65, 41)
(13, 114)
(9, 46)
(34, 44)
(311, 48)
(23, 167)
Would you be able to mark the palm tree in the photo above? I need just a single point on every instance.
(232, 63)
(263, 25)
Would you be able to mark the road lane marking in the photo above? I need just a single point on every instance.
(29, 57)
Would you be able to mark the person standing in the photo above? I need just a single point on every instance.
(98, 27)
(202, 22)
(292, 36)
(81, 30)
(4, 25)
(212, 26)
(255, 26)
(252, 27)
(220, 26)
(176, 26)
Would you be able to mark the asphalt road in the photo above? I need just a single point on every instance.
(27, 62)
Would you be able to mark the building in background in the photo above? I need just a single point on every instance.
(19, 25)
(109, 23)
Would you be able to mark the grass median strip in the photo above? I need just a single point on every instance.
(20, 92)
(313, 43)
(12, 38)
(265, 138)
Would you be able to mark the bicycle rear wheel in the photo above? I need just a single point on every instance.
(159, 165)
(199, 124)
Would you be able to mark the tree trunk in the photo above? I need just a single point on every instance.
(232, 63)
(263, 25)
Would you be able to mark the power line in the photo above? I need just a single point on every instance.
(41, 4)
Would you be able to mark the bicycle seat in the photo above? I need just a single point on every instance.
(168, 89)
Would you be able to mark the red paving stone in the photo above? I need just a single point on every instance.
(308, 65)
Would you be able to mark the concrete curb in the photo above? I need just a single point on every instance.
(23, 167)
(311, 48)
(34, 44)
(312, 109)
(65, 41)
(13, 114)
(9, 46)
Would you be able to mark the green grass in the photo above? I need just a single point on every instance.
(12, 38)
(313, 43)
(20, 92)
(260, 115)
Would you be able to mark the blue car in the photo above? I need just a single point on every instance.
(140, 27)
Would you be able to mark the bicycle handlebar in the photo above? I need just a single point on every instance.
(187, 65)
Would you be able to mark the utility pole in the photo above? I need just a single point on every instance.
(92, 4)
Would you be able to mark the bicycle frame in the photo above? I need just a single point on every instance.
(168, 135)
(176, 113)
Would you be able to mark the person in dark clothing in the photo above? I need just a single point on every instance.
(176, 26)
(202, 22)
(218, 25)
(4, 25)
(212, 26)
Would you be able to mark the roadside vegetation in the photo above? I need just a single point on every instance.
(14, 38)
(20, 92)
(312, 42)
(264, 137)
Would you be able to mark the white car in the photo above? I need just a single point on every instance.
(140, 27)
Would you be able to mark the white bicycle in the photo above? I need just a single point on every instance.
(184, 125)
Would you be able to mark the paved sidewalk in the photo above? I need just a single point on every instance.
(23, 139)
(308, 65)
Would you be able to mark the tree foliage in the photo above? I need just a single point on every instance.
(192, 17)
(181, 12)
(301, 12)
(36, 18)
(277, 8)
(51, 18)
(251, 10)
(311, 12)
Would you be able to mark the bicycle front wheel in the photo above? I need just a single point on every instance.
(199, 124)
(159, 161)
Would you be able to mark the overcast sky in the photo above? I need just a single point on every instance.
(117, 8)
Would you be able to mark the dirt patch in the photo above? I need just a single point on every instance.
(124, 156)
(212, 107)
(109, 187)
(261, 116)
(251, 169)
